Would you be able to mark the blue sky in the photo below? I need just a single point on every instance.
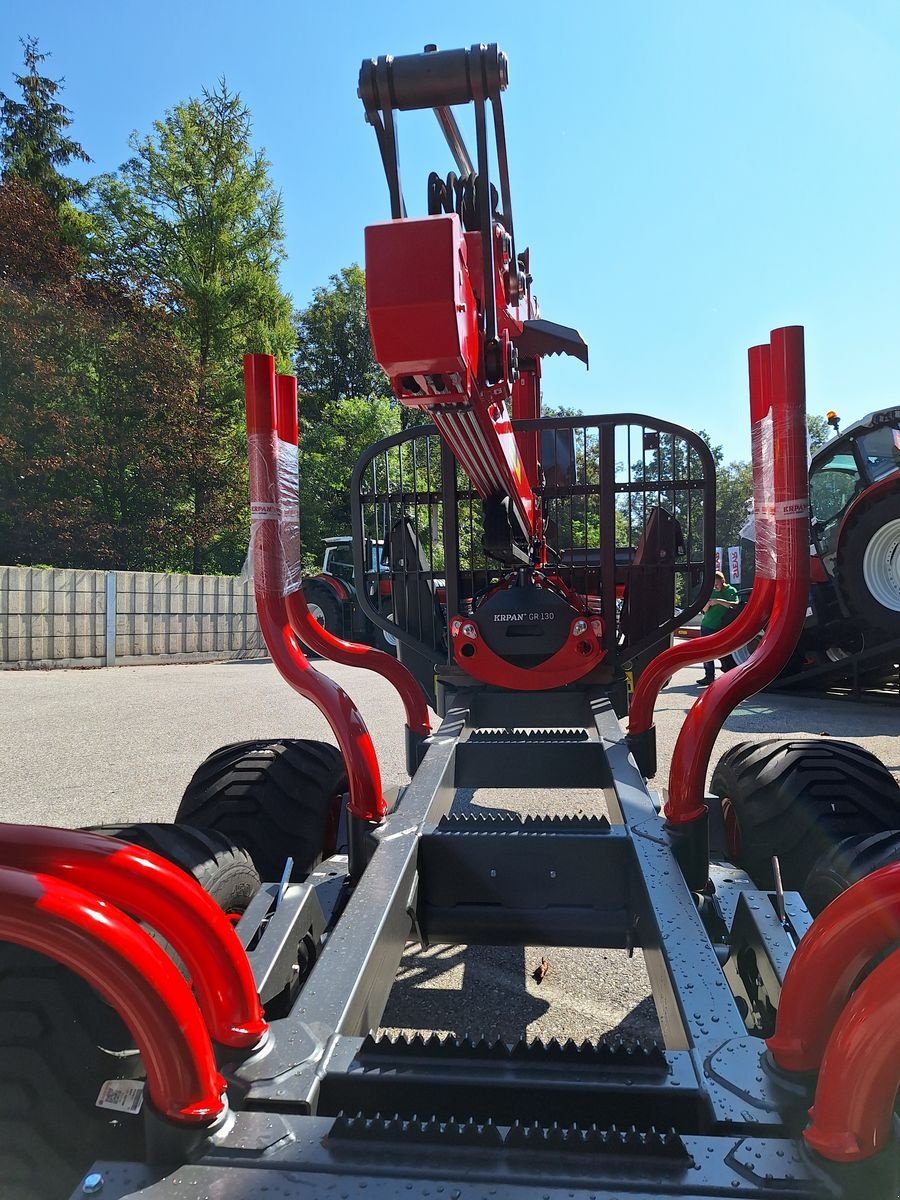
(689, 175)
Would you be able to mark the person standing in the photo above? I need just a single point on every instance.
(716, 615)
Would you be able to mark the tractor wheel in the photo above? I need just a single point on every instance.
(868, 564)
(848, 862)
(324, 607)
(384, 640)
(275, 798)
(59, 1041)
(797, 799)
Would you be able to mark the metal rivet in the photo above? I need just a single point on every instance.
(92, 1183)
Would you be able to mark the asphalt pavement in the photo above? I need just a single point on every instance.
(92, 747)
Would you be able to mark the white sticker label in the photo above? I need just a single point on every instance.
(263, 511)
(122, 1095)
(791, 510)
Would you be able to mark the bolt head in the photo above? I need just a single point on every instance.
(469, 630)
(92, 1184)
(579, 628)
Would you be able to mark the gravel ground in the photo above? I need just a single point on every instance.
(110, 746)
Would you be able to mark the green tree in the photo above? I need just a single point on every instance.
(34, 145)
(734, 487)
(193, 217)
(96, 407)
(345, 403)
(334, 358)
(818, 431)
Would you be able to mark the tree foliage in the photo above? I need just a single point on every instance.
(194, 218)
(34, 145)
(94, 406)
(334, 358)
(345, 404)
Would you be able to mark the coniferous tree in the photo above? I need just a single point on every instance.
(34, 145)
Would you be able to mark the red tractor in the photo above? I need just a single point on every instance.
(854, 496)
(853, 622)
(332, 593)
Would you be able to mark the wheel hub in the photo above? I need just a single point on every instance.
(881, 565)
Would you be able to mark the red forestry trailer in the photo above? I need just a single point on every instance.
(184, 1054)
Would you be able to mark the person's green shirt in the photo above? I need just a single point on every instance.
(718, 615)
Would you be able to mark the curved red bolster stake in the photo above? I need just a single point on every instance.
(759, 606)
(853, 1113)
(133, 974)
(854, 928)
(690, 759)
(148, 887)
(315, 636)
(366, 794)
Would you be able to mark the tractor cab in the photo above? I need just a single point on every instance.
(865, 456)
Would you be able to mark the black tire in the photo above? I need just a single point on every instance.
(863, 564)
(222, 868)
(797, 799)
(59, 1040)
(848, 862)
(319, 596)
(275, 798)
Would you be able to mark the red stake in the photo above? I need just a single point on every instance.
(690, 759)
(759, 606)
(133, 974)
(347, 725)
(148, 887)
(315, 636)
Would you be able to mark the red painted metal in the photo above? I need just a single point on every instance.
(580, 654)
(853, 1113)
(331, 581)
(690, 759)
(133, 974)
(855, 927)
(758, 608)
(314, 635)
(423, 288)
(366, 793)
(153, 890)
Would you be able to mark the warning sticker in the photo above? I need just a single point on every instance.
(122, 1095)
(791, 510)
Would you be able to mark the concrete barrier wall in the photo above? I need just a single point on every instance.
(63, 618)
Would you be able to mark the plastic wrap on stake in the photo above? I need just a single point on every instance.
(288, 489)
(265, 556)
(762, 441)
